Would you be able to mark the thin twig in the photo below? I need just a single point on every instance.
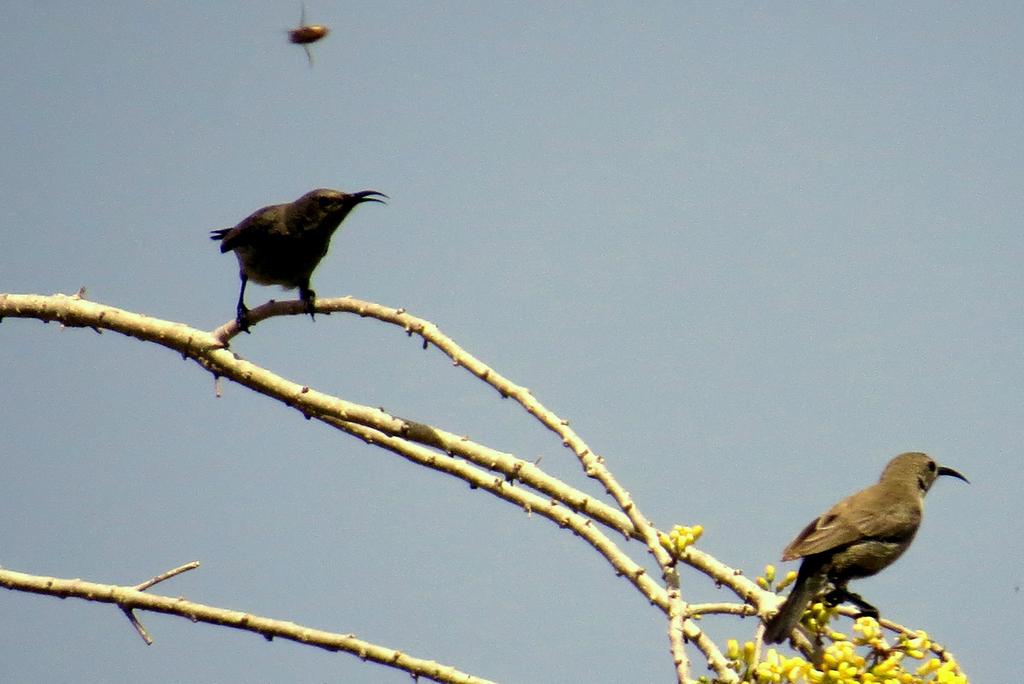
(174, 572)
(128, 613)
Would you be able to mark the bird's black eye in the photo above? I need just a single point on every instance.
(931, 466)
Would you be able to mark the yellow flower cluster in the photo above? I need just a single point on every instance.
(865, 658)
(766, 581)
(676, 541)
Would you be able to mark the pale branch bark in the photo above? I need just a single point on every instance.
(164, 576)
(936, 648)
(723, 575)
(528, 501)
(592, 463)
(210, 352)
(129, 599)
(74, 311)
(740, 609)
(679, 624)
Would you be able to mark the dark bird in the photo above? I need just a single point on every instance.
(859, 536)
(282, 244)
(304, 34)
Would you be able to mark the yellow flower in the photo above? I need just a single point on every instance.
(787, 580)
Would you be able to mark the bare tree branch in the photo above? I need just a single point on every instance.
(528, 501)
(129, 598)
(418, 442)
(592, 463)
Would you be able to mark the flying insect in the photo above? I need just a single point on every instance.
(305, 34)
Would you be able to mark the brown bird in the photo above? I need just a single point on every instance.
(304, 34)
(859, 536)
(282, 244)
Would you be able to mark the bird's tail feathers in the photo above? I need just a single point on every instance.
(810, 582)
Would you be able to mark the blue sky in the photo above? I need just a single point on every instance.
(751, 251)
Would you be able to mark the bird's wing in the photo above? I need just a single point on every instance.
(825, 532)
(246, 232)
(868, 514)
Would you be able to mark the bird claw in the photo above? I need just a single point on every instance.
(309, 297)
(869, 612)
(842, 594)
(835, 597)
(242, 319)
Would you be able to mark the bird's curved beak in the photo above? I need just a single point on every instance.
(368, 196)
(943, 470)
